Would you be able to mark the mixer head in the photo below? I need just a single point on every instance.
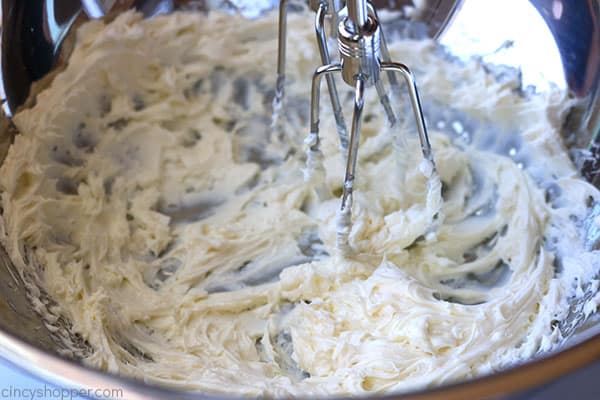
(363, 58)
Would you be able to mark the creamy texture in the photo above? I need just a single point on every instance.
(149, 196)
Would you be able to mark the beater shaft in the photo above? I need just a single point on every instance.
(359, 102)
(357, 14)
(281, 48)
(415, 101)
(323, 7)
(316, 94)
(386, 57)
(314, 157)
(384, 99)
(333, 94)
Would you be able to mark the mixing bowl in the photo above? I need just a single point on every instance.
(549, 43)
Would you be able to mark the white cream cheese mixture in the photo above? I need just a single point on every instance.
(148, 195)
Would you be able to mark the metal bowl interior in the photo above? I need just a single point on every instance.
(564, 51)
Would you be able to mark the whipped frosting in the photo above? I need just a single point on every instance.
(150, 197)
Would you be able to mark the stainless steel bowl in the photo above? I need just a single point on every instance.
(549, 42)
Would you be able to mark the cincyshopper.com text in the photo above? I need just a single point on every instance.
(52, 393)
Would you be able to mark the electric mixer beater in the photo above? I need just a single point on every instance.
(363, 58)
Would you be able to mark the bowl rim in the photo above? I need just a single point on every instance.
(72, 375)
